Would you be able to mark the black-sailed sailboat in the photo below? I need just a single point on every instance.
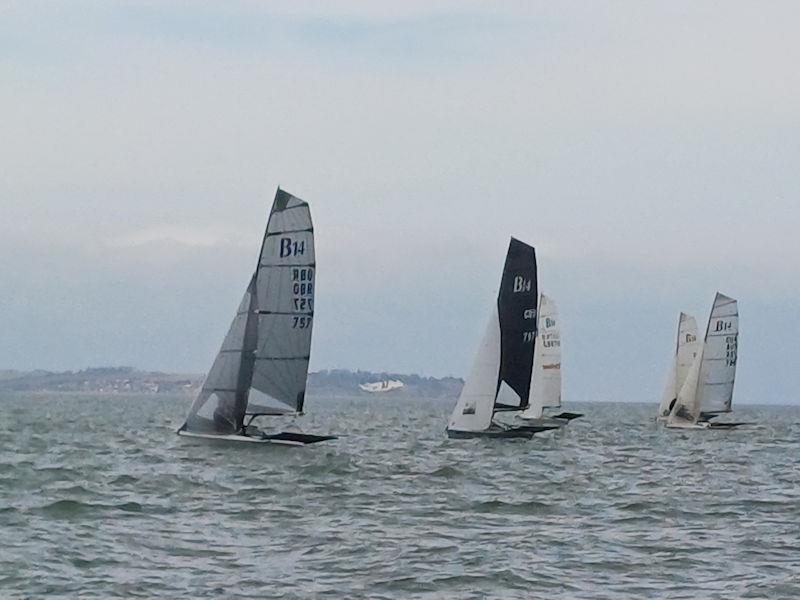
(500, 379)
(262, 367)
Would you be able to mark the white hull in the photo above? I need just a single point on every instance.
(239, 438)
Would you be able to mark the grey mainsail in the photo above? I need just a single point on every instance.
(262, 366)
(285, 283)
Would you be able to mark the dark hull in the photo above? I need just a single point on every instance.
(285, 438)
(567, 416)
(716, 425)
(522, 432)
(300, 438)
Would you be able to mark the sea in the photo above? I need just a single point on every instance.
(100, 499)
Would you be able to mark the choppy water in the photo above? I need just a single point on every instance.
(100, 499)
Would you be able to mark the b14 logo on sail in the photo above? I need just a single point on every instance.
(521, 284)
(723, 326)
(290, 247)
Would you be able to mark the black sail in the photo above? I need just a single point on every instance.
(516, 305)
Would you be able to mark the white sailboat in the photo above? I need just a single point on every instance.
(546, 385)
(262, 367)
(707, 390)
(500, 378)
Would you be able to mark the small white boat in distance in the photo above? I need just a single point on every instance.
(378, 387)
(707, 389)
(500, 378)
(262, 367)
(546, 385)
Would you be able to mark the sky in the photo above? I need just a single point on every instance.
(648, 150)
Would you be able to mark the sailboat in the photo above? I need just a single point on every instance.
(546, 384)
(500, 379)
(262, 367)
(707, 390)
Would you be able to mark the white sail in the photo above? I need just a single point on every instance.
(670, 395)
(687, 405)
(718, 370)
(546, 382)
(475, 406)
(547, 373)
(687, 347)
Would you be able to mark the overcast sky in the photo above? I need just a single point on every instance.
(648, 150)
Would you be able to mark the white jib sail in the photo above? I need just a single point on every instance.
(475, 406)
(686, 350)
(688, 347)
(670, 395)
(687, 404)
(718, 370)
(546, 384)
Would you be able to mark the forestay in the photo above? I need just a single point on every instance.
(262, 366)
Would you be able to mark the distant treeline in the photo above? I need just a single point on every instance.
(122, 380)
(110, 380)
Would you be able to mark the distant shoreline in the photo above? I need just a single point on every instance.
(122, 381)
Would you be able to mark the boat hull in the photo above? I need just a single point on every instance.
(523, 432)
(567, 416)
(716, 425)
(558, 420)
(687, 425)
(705, 425)
(285, 438)
(542, 422)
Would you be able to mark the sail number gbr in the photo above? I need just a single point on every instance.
(302, 296)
